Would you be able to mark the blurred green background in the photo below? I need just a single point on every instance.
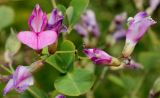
(123, 83)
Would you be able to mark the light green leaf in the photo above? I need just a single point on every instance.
(63, 61)
(156, 86)
(69, 13)
(6, 16)
(78, 8)
(12, 43)
(75, 83)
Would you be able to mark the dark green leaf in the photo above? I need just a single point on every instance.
(63, 61)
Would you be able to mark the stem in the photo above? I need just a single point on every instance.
(54, 3)
(33, 93)
(66, 51)
(100, 78)
(10, 66)
(5, 68)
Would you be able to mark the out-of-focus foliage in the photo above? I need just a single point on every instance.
(51, 78)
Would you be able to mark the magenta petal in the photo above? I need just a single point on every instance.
(98, 56)
(46, 38)
(55, 21)
(38, 20)
(8, 87)
(28, 38)
(139, 16)
(60, 96)
(137, 29)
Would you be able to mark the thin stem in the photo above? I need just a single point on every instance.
(54, 3)
(10, 66)
(33, 93)
(5, 68)
(102, 75)
(66, 51)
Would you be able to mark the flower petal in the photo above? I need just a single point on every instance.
(8, 87)
(28, 38)
(22, 78)
(139, 16)
(98, 56)
(55, 21)
(38, 20)
(46, 38)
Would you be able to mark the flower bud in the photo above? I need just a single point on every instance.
(100, 57)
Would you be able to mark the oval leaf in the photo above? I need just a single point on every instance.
(75, 83)
(78, 8)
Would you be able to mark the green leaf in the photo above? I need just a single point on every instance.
(156, 86)
(6, 16)
(61, 8)
(75, 83)
(63, 61)
(69, 13)
(12, 43)
(78, 8)
(149, 59)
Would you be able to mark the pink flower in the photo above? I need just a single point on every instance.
(100, 57)
(20, 80)
(37, 38)
(137, 28)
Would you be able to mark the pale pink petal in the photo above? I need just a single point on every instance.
(28, 38)
(8, 87)
(22, 78)
(46, 38)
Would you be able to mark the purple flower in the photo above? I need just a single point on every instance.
(37, 38)
(88, 24)
(117, 29)
(20, 80)
(55, 22)
(119, 20)
(137, 28)
(81, 30)
(119, 34)
(100, 57)
(60, 96)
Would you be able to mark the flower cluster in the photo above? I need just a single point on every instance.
(138, 25)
